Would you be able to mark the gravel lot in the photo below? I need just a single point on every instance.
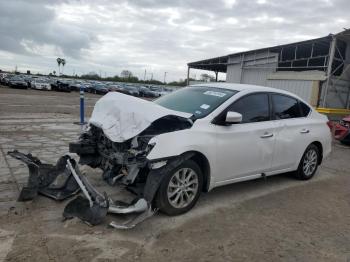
(263, 220)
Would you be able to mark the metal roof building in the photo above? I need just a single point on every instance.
(318, 70)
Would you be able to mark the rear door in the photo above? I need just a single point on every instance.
(293, 131)
(246, 148)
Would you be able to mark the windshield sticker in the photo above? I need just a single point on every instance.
(212, 93)
(205, 106)
(198, 112)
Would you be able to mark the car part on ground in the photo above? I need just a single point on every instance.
(341, 130)
(55, 182)
(94, 207)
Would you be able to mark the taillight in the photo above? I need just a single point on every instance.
(330, 124)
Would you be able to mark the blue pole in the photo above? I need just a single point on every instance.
(82, 122)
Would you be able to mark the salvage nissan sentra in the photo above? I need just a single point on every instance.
(169, 151)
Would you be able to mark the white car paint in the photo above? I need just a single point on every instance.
(246, 150)
(122, 117)
(40, 85)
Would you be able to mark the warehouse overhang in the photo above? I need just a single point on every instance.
(313, 54)
(217, 64)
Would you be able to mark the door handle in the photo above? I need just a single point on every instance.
(305, 131)
(267, 135)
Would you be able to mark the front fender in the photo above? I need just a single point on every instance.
(156, 176)
(179, 142)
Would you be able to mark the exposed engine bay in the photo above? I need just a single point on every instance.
(124, 162)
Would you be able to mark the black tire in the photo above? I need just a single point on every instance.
(301, 173)
(162, 201)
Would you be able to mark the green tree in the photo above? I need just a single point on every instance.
(126, 74)
(63, 62)
(59, 61)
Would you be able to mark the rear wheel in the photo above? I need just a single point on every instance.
(308, 163)
(180, 189)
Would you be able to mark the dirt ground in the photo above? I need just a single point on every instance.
(277, 219)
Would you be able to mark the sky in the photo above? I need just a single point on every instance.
(107, 37)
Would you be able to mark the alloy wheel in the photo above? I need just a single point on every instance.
(182, 187)
(310, 162)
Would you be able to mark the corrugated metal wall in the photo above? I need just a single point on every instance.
(302, 88)
(233, 74)
(257, 68)
(257, 76)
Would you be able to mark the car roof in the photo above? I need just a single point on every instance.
(245, 87)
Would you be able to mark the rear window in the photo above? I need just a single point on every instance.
(285, 107)
(305, 109)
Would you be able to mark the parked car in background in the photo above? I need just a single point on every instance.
(75, 85)
(116, 88)
(146, 92)
(156, 91)
(131, 90)
(341, 130)
(2, 78)
(60, 86)
(40, 84)
(98, 89)
(17, 82)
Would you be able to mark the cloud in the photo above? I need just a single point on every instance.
(163, 35)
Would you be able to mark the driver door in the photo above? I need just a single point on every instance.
(246, 149)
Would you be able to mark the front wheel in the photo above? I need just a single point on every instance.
(308, 163)
(180, 189)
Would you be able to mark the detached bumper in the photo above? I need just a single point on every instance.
(54, 181)
(65, 180)
(94, 206)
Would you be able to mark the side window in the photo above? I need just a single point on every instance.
(254, 108)
(305, 109)
(285, 107)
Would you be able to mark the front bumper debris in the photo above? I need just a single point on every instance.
(94, 207)
(54, 181)
(64, 180)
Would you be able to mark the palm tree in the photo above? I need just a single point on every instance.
(63, 62)
(59, 61)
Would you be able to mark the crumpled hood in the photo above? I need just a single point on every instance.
(122, 117)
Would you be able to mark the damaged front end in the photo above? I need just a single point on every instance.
(117, 142)
(123, 164)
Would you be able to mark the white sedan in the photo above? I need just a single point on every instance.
(40, 84)
(201, 137)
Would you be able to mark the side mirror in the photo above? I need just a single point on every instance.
(233, 117)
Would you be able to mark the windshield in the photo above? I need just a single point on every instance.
(198, 100)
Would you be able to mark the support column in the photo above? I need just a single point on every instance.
(242, 68)
(188, 75)
(329, 69)
(216, 76)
